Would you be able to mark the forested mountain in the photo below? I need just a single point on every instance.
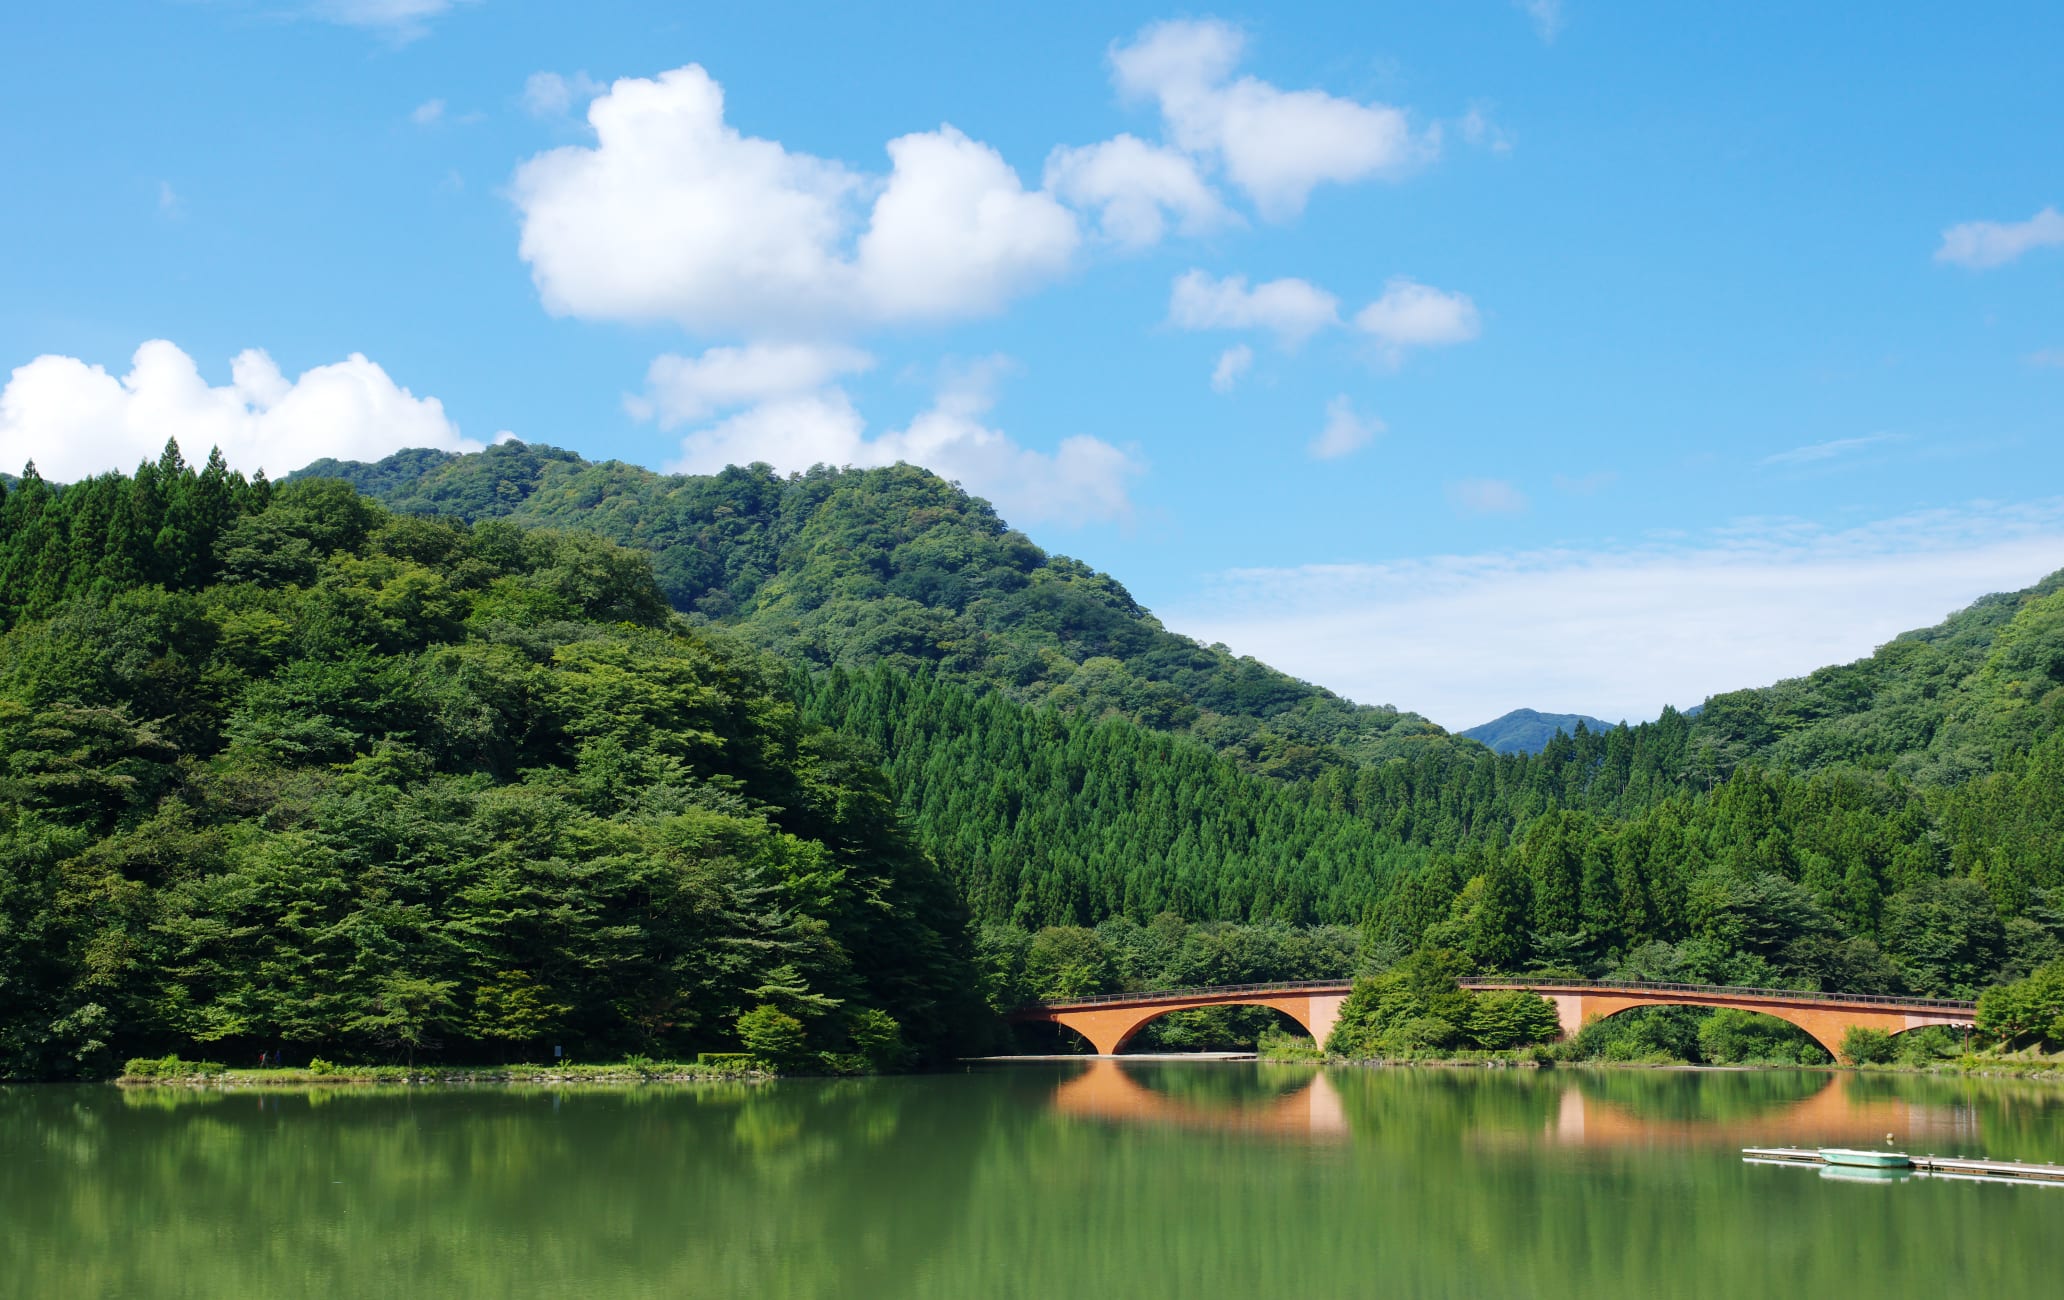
(1600, 855)
(280, 768)
(895, 566)
(279, 765)
(898, 567)
(1939, 705)
(1524, 731)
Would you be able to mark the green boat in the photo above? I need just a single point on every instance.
(1854, 1159)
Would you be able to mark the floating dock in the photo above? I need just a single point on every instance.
(1987, 1171)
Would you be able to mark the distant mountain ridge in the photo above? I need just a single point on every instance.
(851, 568)
(1527, 731)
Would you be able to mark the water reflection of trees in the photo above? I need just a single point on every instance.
(1449, 1182)
(706, 1191)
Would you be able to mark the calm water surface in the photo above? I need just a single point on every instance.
(1142, 1180)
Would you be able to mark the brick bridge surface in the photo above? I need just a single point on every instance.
(1109, 1020)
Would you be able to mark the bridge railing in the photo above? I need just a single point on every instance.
(1496, 982)
(1203, 990)
(1716, 990)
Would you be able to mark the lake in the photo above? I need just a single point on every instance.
(1083, 1179)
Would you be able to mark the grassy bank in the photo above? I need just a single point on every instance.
(171, 1071)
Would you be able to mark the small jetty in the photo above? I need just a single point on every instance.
(1842, 1162)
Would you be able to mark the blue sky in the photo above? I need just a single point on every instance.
(1461, 357)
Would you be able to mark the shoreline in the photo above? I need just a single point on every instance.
(404, 1076)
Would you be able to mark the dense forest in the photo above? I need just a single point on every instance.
(285, 766)
(282, 769)
(1603, 855)
(852, 568)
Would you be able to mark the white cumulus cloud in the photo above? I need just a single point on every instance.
(1136, 188)
(682, 389)
(1345, 432)
(1291, 309)
(1083, 480)
(1410, 314)
(673, 214)
(76, 420)
(1275, 145)
(1981, 245)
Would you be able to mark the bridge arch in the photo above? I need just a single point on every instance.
(1109, 1027)
(1808, 1022)
(1826, 1020)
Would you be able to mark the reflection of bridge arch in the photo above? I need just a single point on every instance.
(1108, 1020)
(1109, 1091)
(1840, 1111)
(1826, 1017)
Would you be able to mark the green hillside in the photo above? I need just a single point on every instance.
(1595, 856)
(280, 768)
(895, 566)
(1940, 705)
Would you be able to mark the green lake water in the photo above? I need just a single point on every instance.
(1063, 1180)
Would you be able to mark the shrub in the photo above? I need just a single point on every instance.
(879, 1040)
(1652, 1034)
(1731, 1036)
(1862, 1046)
(772, 1036)
(1277, 1044)
(725, 1060)
(1929, 1044)
(169, 1067)
(1511, 1018)
(317, 1065)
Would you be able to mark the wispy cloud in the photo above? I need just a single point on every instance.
(1622, 632)
(427, 113)
(2052, 357)
(169, 204)
(1585, 485)
(1345, 431)
(399, 20)
(1829, 450)
(1547, 16)
(1981, 245)
(1234, 362)
(1486, 496)
(550, 94)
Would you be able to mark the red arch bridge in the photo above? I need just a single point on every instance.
(1109, 1020)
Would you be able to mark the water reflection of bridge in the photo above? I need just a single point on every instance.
(1844, 1110)
(1110, 1091)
